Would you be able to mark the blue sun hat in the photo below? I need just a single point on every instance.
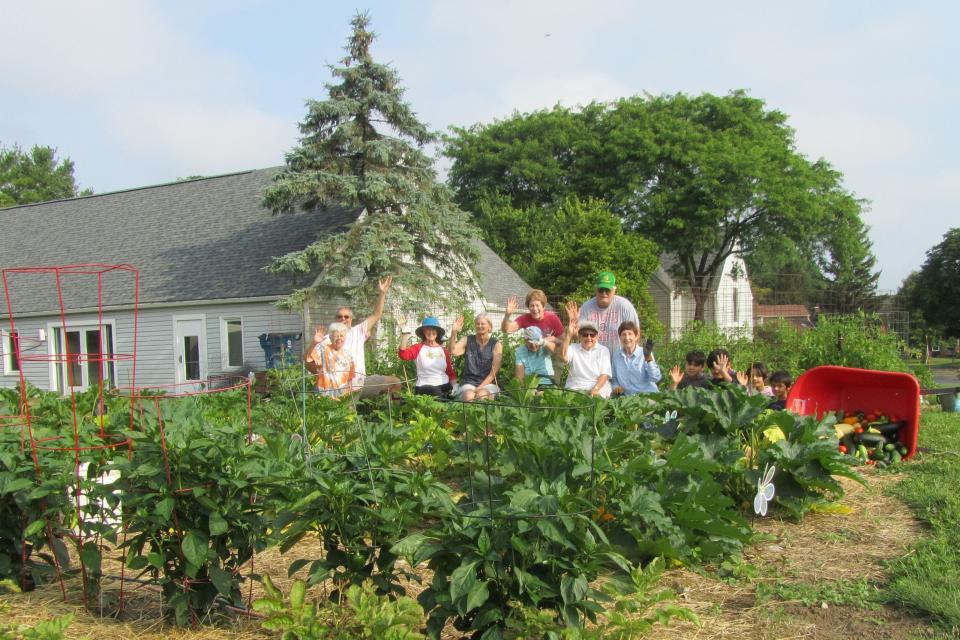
(433, 323)
(533, 335)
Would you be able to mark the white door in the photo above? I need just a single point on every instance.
(190, 351)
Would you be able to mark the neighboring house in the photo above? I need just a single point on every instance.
(729, 302)
(199, 247)
(796, 314)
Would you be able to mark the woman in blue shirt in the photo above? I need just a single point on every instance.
(634, 369)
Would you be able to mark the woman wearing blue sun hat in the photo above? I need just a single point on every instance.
(435, 375)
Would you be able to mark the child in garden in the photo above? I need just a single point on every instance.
(435, 375)
(756, 381)
(719, 364)
(693, 375)
(780, 382)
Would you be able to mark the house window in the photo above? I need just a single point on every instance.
(736, 307)
(231, 343)
(83, 357)
(11, 363)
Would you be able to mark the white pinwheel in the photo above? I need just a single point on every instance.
(765, 491)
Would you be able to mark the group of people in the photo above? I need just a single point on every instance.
(601, 347)
(757, 381)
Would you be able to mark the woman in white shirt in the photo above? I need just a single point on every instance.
(588, 360)
(435, 374)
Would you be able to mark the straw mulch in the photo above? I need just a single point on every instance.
(850, 544)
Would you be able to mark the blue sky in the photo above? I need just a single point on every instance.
(141, 92)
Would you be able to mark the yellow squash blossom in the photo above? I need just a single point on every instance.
(773, 434)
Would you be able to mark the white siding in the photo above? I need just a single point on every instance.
(155, 342)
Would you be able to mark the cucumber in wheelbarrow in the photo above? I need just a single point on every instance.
(889, 428)
(869, 439)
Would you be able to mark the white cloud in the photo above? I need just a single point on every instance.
(196, 138)
(78, 50)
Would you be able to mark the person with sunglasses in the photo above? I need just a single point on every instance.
(607, 311)
(588, 360)
(357, 335)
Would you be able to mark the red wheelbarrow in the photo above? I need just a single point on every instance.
(895, 395)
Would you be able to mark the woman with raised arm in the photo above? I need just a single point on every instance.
(332, 363)
(588, 360)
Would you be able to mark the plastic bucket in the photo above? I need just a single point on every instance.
(948, 402)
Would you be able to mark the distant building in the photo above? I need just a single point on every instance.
(796, 314)
(729, 302)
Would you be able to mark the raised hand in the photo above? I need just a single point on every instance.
(676, 375)
(743, 378)
(648, 348)
(319, 334)
(384, 285)
(458, 324)
(573, 314)
(512, 304)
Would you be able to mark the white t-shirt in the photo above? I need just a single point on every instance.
(431, 366)
(586, 367)
(608, 320)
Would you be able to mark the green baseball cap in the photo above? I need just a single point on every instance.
(606, 280)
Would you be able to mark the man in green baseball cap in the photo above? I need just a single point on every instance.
(608, 311)
(606, 280)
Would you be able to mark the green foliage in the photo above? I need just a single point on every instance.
(936, 291)
(699, 175)
(844, 592)
(851, 279)
(554, 505)
(52, 629)
(562, 248)
(923, 579)
(193, 519)
(362, 149)
(36, 176)
(366, 614)
(632, 614)
(33, 500)
(857, 340)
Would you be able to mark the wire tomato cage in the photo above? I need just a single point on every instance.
(83, 361)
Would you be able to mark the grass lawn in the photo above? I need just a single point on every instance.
(928, 579)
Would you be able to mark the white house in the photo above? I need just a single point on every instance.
(729, 301)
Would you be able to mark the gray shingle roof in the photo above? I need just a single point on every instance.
(204, 239)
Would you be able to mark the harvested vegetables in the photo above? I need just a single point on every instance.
(872, 438)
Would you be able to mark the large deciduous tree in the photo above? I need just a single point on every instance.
(561, 249)
(363, 148)
(703, 176)
(936, 289)
(36, 176)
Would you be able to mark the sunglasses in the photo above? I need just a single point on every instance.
(603, 290)
(341, 317)
(588, 334)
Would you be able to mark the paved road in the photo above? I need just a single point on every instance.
(946, 377)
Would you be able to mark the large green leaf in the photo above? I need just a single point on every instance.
(194, 547)
(463, 579)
